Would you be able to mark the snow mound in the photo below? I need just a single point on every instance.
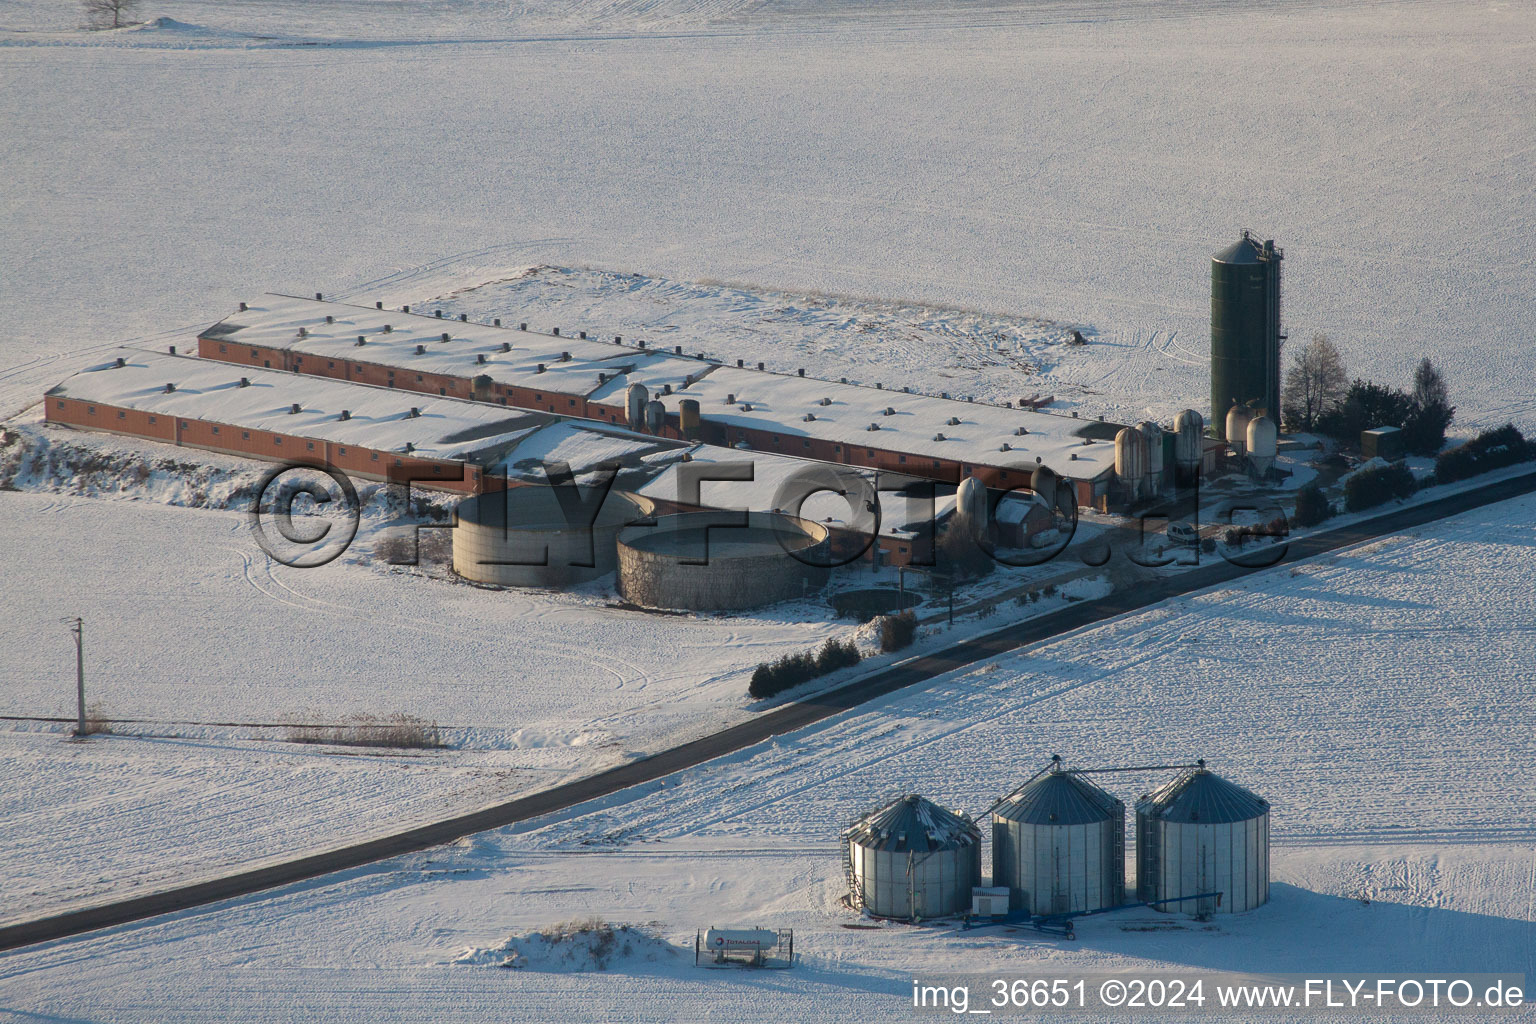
(574, 946)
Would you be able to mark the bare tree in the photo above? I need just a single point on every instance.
(108, 13)
(1314, 384)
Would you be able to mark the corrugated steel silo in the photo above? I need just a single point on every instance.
(1189, 431)
(1201, 833)
(1245, 328)
(1131, 460)
(1058, 844)
(913, 859)
(1154, 435)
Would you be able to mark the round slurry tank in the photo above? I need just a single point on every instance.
(635, 397)
(524, 537)
(1201, 833)
(696, 561)
(1189, 431)
(971, 506)
(1131, 458)
(1058, 844)
(1154, 435)
(913, 859)
(1263, 440)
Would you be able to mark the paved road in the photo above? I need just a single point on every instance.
(771, 723)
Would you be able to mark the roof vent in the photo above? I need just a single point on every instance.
(303, 332)
(506, 346)
(121, 362)
(730, 399)
(943, 394)
(759, 366)
(378, 305)
(1006, 447)
(640, 343)
(480, 358)
(346, 414)
(1074, 415)
(539, 369)
(169, 388)
(173, 350)
(421, 350)
(602, 378)
(444, 336)
(889, 411)
(329, 319)
(361, 340)
(938, 437)
(618, 339)
(906, 390)
(388, 328)
(879, 386)
(666, 389)
(953, 421)
(801, 371)
(970, 398)
(243, 307)
(842, 380)
(565, 357)
(463, 317)
(557, 332)
(245, 382)
(1074, 456)
(319, 297)
(825, 401)
(1019, 431)
(810, 417)
(409, 447)
(746, 406)
(522, 327)
(741, 362)
(688, 381)
(437, 313)
(687, 457)
(874, 426)
(582, 335)
(405, 309)
(677, 349)
(293, 410)
(496, 322)
(415, 413)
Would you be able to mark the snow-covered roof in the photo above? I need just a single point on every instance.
(780, 403)
(583, 447)
(571, 364)
(378, 418)
(986, 434)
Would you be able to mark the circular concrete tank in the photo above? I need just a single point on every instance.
(1058, 844)
(1198, 834)
(523, 537)
(913, 859)
(694, 562)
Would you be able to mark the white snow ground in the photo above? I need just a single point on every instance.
(1379, 697)
(1077, 161)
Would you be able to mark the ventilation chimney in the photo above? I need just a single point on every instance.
(618, 339)
(1019, 432)
(938, 437)
(874, 426)
(409, 447)
(293, 410)
(378, 305)
(361, 340)
(1006, 447)
(329, 319)
(730, 398)
(801, 371)
(641, 343)
(445, 335)
(319, 297)
(810, 417)
(346, 414)
(565, 357)
(463, 318)
(421, 350)
(759, 366)
(405, 309)
(889, 411)
(245, 382)
(539, 369)
(243, 307)
(666, 389)
(953, 421)
(522, 327)
(583, 335)
(303, 332)
(506, 346)
(415, 412)
(825, 401)
(879, 386)
(480, 358)
(388, 328)
(741, 362)
(842, 380)
(677, 349)
(121, 362)
(169, 388)
(437, 313)
(557, 332)
(497, 322)
(746, 406)
(173, 350)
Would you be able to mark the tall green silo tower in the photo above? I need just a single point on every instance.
(1245, 329)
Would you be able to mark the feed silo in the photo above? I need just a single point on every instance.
(635, 398)
(1131, 461)
(1189, 440)
(1245, 328)
(1238, 418)
(1263, 445)
(1058, 844)
(1198, 834)
(655, 417)
(1154, 435)
(912, 859)
(971, 507)
(1043, 482)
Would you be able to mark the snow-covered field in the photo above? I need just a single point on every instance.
(1077, 161)
(1379, 697)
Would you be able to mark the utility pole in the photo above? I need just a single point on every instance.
(77, 627)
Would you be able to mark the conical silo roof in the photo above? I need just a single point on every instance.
(1200, 797)
(1244, 250)
(1059, 798)
(912, 824)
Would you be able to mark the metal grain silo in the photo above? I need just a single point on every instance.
(1198, 834)
(1131, 460)
(913, 859)
(655, 416)
(1058, 844)
(1154, 435)
(635, 397)
(1238, 418)
(1189, 440)
(1263, 440)
(1245, 328)
(971, 506)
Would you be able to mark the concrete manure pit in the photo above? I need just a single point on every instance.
(524, 537)
(668, 565)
